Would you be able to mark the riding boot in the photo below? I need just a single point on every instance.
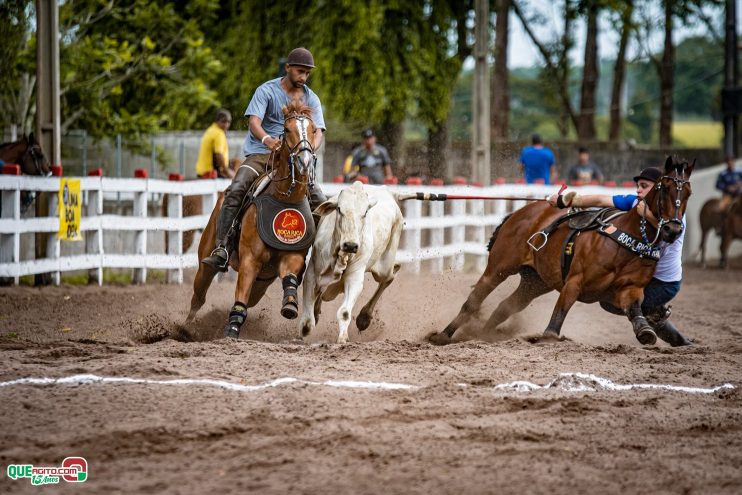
(316, 196)
(233, 196)
(670, 334)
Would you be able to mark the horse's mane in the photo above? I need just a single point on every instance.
(297, 106)
(494, 234)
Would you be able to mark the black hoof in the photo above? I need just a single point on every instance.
(290, 311)
(231, 332)
(363, 320)
(439, 339)
(646, 336)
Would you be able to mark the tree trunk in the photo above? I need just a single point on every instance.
(500, 98)
(390, 136)
(619, 72)
(590, 73)
(667, 79)
(563, 68)
(437, 150)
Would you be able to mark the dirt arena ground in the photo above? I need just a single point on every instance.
(450, 431)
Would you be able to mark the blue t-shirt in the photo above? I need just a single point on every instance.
(267, 103)
(728, 179)
(625, 202)
(537, 163)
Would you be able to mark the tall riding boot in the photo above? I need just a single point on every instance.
(233, 197)
(316, 196)
(670, 334)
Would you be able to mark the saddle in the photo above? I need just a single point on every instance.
(577, 221)
(282, 226)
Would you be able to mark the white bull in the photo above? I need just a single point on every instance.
(359, 232)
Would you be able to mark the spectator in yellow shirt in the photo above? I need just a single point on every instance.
(214, 152)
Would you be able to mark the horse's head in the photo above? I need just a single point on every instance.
(298, 138)
(671, 195)
(33, 161)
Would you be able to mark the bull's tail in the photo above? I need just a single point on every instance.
(494, 234)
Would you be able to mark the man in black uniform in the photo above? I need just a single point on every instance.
(371, 159)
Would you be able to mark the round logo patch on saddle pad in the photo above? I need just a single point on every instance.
(289, 226)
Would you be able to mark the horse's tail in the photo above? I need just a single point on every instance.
(494, 234)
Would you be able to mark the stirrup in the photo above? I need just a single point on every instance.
(218, 259)
(545, 240)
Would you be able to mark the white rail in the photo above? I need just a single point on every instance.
(441, 235)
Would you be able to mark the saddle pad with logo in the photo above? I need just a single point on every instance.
(627, 241)
(285, 226)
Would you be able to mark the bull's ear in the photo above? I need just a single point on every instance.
(668, 165)
(326, 207)
(689, 169)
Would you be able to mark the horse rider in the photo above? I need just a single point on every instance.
(668, 273)
(213, 155)
(266, 122)
(729, 183)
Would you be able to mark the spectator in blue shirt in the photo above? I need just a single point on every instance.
(729, 183)
(537, 162)
(665, 283)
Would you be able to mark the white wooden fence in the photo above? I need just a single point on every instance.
(451, 235)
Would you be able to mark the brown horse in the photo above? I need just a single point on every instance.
(257, 263)
(27, 153)
(601, 269)
(731, 229)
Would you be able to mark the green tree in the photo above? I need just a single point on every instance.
(17, 65)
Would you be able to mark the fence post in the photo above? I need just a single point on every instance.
(53, 244)
(412, 235)
(94, 238)
(458, 234)
(437, 235)
(175, 237)
(140, 238)
(477, 211)
(10, 244)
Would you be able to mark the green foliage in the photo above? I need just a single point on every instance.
(17, 61)
(134, 67)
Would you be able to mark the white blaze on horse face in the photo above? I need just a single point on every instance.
(305, 156)
(352, 206)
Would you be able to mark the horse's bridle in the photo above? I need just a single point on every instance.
(295, 155)
(661, 221)
(36, 157)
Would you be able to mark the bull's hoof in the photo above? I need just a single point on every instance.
(646, 336)
(439, 339)
(549, 336)
(231, 332)
(363, 320)
(290, 310)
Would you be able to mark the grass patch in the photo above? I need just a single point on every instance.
(695, 134)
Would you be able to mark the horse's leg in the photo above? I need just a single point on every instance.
(531, 286)
(250, 266)
(205, 273)
(353, 282)
(567, 297)
(631, 302)
(289, 269)
(726, 240)
(490, 279)
(702, 248)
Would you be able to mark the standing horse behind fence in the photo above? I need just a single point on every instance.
(602, 269)
(276, 230)
(726, 223)
(27, 154)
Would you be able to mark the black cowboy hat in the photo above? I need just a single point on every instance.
(650, 173)
(367, 133)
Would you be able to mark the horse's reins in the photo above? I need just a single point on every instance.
(294, 151)
(31, 150)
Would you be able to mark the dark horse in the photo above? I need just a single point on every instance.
(26, 152)
(601, 270)
(257, 263)
(727, 224)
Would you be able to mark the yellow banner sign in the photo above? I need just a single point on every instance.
(70, 208)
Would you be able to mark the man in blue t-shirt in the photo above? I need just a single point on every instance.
(668, 273)
(729, 183)
(266, 120)
(537, 162)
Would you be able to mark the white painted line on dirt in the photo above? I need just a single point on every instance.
(90, 379)
(584, 382)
